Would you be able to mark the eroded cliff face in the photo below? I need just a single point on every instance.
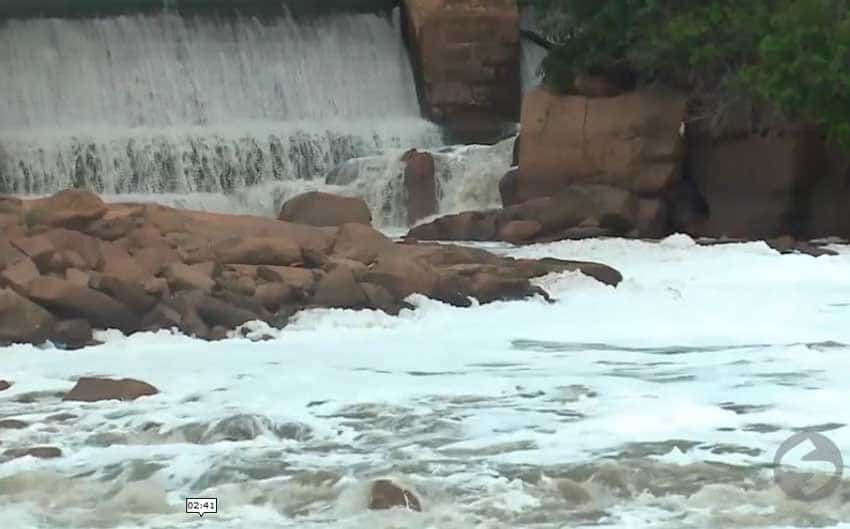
(467, 57)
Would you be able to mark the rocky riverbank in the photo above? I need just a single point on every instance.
(70, 263)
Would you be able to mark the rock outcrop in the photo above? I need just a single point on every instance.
(420, 185)
(138, 267)
(754, 187)
(466, 55)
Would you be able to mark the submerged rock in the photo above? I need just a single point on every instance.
(40, 452)
(91, 389)
(385, 494)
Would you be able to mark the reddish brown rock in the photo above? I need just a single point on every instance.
(118, 263)
(257, 251)
(37, 247)
(385, 494)
(519, 231)
(19, 275)
(21, 320)
(402, 276)
(72, 334)
(39, 452)
(78, 277)
(754, 187)
(132, 294)
(339, 289)
(301, 278)
(323, 209)
(273, 295)
(420, 185)
(9, 254)
(153, 259)
(92, 389)
(86, 247)
(74, 301)
(71, 208)
(467, 56)
(119, 221)
(184, 277)
(361, 243)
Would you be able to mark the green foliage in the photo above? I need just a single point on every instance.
(792, 56)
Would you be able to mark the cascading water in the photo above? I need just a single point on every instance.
(186, 107)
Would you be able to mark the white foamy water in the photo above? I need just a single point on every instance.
(160, 103)
(656, 404)
(467, 179)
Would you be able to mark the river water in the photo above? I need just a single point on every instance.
(659, 403)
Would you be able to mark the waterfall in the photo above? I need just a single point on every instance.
(532, 53)
(183, 106)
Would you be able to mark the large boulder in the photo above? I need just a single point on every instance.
(324, 209)
(361, 243)
(754, 186)
(420, 185)
(74, 301)
(21, 320)
(632, 141)
(93, 389)
(466, 55)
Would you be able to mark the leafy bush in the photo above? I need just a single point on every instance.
(791, 57)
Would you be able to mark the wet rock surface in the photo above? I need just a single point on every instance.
(143, 267)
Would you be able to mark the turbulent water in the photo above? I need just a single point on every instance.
(159, 103)
(657, 404)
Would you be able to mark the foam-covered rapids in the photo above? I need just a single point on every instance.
(657, 404)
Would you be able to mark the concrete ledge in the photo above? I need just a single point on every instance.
(81, 8)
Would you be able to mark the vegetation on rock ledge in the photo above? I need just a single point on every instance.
(783, 59)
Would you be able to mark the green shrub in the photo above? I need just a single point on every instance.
(791, 57)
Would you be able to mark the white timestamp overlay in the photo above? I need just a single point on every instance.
(201, 506)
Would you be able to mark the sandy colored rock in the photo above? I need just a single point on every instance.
(92, 389)
(631, 141)
(384, 494)
(324, 209)
(78, 277)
